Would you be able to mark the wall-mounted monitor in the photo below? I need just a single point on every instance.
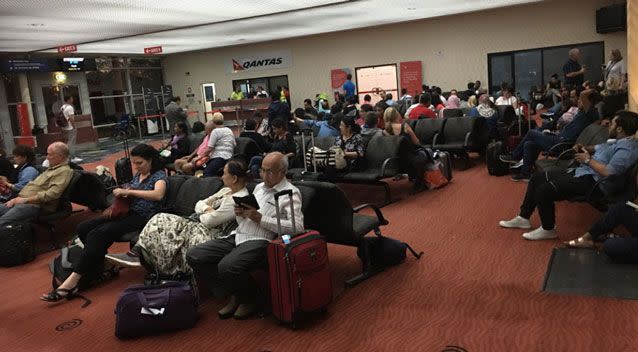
(73, 64)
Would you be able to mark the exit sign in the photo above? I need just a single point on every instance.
(153, 50)
(67, 48)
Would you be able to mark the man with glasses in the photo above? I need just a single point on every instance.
(230, 260)
(42, 193)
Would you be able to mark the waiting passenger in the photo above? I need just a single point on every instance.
(327, 128)
(166, 237)
(278, 109)
(44, 192)
(281, 141)
(351, 142)
(221, 146)
(536, 141)
(423, 109)
(145, 192)
(228, 262)
(596, 163)
(308, 108)
(370, 128)
(250, 126)
(178, 145)
(367, 105)
(196, 161)
(24, 158)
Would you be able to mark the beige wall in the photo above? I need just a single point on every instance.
(453, 49)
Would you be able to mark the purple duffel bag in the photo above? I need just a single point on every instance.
(145, 310)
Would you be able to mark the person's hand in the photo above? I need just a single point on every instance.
(248, 212)
(577, 147)
(583, 68)
(582, 157)
(107, 213)
(239, 211)
(120, 192)
(15, 201)
(3, 180)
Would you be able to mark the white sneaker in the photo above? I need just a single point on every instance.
(518, 222)
(540, 234)
(77, 160)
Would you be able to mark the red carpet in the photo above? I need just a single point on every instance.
(477, 287)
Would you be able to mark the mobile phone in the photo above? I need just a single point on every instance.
(632, 204)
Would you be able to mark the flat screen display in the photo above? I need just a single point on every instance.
(73, 64)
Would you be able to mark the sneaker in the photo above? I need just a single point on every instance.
(540, 234)
(77, 160)
(507, 158)
(518, 222)
(520, 177)
(517, 165)
(128, 259)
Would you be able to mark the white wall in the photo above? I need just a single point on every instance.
(453, 49)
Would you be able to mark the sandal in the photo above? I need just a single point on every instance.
(69, 294)
(579, 243)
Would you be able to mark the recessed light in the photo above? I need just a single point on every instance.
(411, 8)
(35, 24)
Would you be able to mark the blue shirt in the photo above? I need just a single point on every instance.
(145, 207)
(618, 156)
(26, 174)
(325, 130)
(348, 88)
(578, 124)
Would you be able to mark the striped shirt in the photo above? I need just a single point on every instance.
(248, 230)
(222, 140)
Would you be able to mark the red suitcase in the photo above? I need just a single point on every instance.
(299, 273)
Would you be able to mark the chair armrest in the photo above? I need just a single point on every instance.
(434, 139)
(466, 143)
(556, 147)
(376, 209)
(565, 155)
(389, 163)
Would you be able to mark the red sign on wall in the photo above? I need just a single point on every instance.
(338, 77)
(67, 48)
(411, 76)
(153, 50)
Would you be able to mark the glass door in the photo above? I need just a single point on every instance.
(53, 97)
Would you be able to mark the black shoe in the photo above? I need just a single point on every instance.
(520, 177)
(507, 158)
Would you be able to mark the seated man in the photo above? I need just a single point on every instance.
(545, 188)
(536, 141)
(327, 128)
(369, 128)
(43, 192)
(250, 131)
(230, 260)
(423, 109)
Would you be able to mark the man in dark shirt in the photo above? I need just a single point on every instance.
(308, 108)
(574, 72)
(249, 132)
(536, 141)
(277, 109)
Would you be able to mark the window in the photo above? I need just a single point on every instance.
(150, 78)
(107, 83)
(527, 68)
(54, 99)
(12, 87)
(250, 86)
(374, 79)
(109, 110)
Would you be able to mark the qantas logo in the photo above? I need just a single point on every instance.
(257, 63)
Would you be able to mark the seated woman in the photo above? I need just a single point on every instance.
(453, 102)
(221, 146)
(145, 192)
(178, 146)
(24, 157)
(621, 249)
(351, 142)
(189, 164)
(281, 141)
(166, 237)
(414, 161)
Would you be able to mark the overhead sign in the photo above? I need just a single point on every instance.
(260, 62)
(153, 50)
(71, 48)
(24, 65)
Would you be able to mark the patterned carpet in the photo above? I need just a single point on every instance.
(478, 288)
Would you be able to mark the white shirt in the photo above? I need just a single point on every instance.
(266, 230)
(615, 74)
(223, 204)
(68, 112)
(509, 101)
(222, 140)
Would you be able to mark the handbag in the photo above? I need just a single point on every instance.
(382, 251)
(334, 157)
(119, 208)
(434, 177)
(339, 157)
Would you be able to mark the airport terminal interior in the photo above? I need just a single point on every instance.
(319, 175)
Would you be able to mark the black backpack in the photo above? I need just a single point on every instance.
(495, 166)
(381, 251)
(17, 244)
(59, 118)
(62, 266)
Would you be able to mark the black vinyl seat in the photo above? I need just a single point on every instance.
(427, 129)
(447, 113)
(626, 192)
(194, 139)
(564, 154)
(457, 137)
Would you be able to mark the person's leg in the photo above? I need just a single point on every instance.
(71, 137)
(83, 228)
(214, 166)
(18, 213)
(517, 153)
(179, 163)
(537, 142)
(559, 186)
(529, 201)
(622, 250)
(204, 257)
(617, 214)
(255, 165)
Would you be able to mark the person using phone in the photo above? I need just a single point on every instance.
(229, 261)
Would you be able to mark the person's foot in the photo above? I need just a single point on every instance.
(540, 234)
(129, 259)
(517, 165)
(245, 310)
(229, 309)
(77, 160)
(508, 158)
(520, 177)
(580, 242)
(518, 222)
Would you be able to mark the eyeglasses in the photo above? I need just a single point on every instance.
(269, 172)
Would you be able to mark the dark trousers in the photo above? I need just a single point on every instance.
(220, 262)
(531, 146)
(98, 235)
(623, 250)
(214, 167)
(545, 188)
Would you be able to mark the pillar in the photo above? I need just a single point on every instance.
(632, 53)
(5, 121)
(25, 94)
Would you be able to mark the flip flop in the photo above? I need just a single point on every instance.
(579, 243)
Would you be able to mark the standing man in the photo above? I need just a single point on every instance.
(348, 87)
(69, 131)
(237, 94)
(574, 71)
(175, 114)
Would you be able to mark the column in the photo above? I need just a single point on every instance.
(25, 93)
(632, 53)
(5, 122)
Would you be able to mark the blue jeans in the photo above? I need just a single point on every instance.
(255, 165)
(532, 144)
(214, 167)
(19, 213)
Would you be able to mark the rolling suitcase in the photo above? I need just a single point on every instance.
(299, 274)
(495, 166)
(446, 163)
(123, 169)
(17, 244)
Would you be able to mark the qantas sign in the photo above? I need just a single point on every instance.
(266, 61)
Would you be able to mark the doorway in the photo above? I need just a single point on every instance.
(251, 86)
(53, 98)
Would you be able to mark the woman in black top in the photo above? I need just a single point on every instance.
(179, 145)
(281, 141)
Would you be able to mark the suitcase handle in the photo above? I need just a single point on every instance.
(283, 193)
(289, 193)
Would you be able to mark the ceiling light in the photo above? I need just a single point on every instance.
(411, 8)
(35, 24)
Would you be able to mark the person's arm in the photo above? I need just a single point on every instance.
(215, 217)
(270, 223)
(57, 185)
(154, 195)
(413, 136)
(181, 112)
(27, 175)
